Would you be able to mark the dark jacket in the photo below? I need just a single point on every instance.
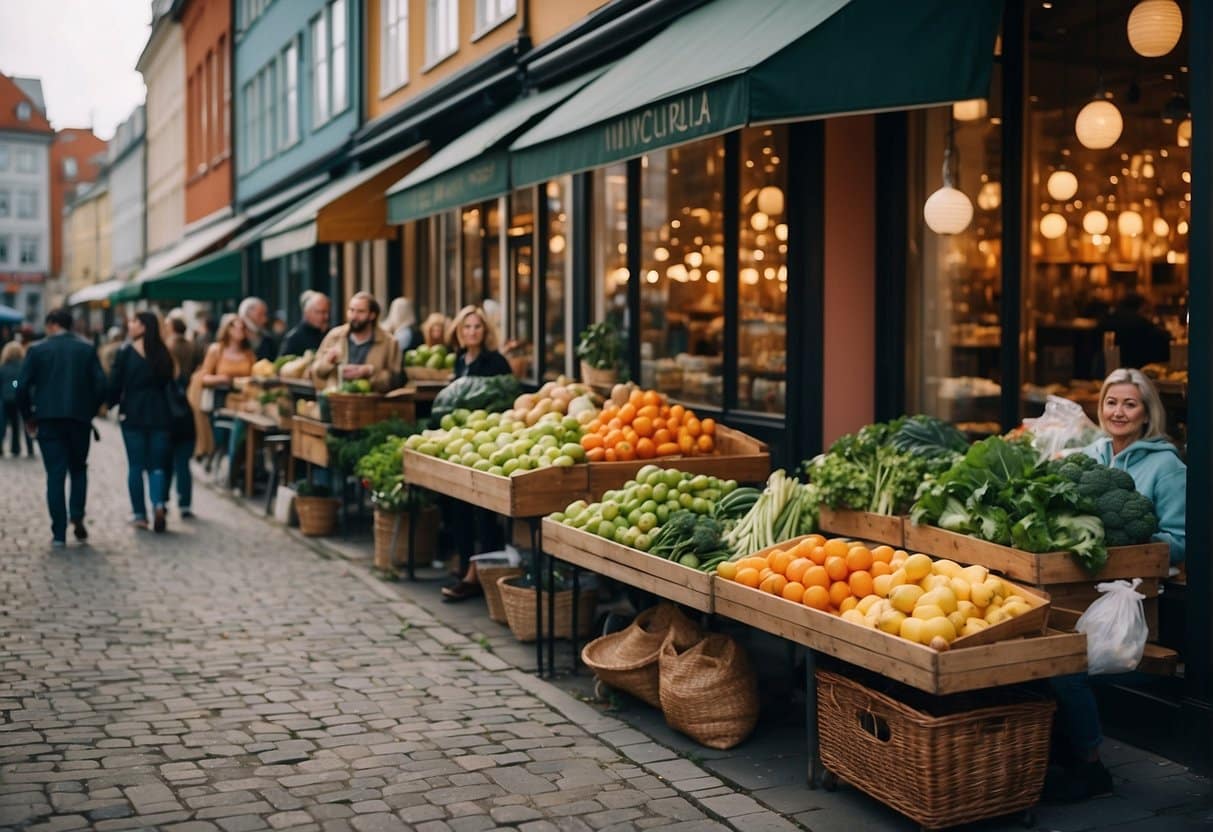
(138, 392)
(488, 363)
(301, 339)
(10, 373)
(61, 379)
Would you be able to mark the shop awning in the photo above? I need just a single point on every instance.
(214, 277)
(736, 62)
(350, 208)
(475, 166)
(96, 292)
(190, 247)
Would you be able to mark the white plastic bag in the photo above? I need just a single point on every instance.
(1063, 425)
(1116, 628)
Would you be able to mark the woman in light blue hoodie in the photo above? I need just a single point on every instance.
(1132, 416)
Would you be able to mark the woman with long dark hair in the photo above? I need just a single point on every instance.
(143, 369)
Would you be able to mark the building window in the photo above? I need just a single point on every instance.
(268, 83)
(330, 93)
(27, 204)
(247, 12)
(202, 121)
(210, 107)
(320, 71)
(338, 57)
(225, 87)
(25, 161)
(441, 29)
(252, 117)
(393, 45)
(29, 251)
(489, 13)
(4, 245)
(3, 157)
(70, 168)
(5, 208)
(288, 109)
(24, 111)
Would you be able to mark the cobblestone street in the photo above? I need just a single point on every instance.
(225, 676)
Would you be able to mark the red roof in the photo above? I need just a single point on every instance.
(11, 97)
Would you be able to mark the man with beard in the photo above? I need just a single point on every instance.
(358, 349)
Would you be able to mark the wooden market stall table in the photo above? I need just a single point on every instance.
(258, 426)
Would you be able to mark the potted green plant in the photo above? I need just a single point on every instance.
(382, 472)
(600, 349)
(316, 507)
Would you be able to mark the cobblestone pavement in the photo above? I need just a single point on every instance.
(224, 676)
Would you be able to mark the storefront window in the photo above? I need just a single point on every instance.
(611, 246)
(520, 345)
(681, 290)
(762, 271)
(492, 233)
(559, 267)
(473, 258)
(450, 242)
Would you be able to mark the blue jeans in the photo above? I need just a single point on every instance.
(181, 451)
(1077, 713)
(147, 449)
(64, 445)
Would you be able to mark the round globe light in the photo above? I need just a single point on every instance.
(1182, 227)
(970, 110)
(556, 244)
(1161, 227)
(990, 196)
(1183, 133)
(1154, 27)
(948, 211)
(770, 201)
(1129, 223)
(1062, 185)
(1099, 124)
(661, 254)
(1052, 226)
(749, 276)
(1095, 222)
(759, 221)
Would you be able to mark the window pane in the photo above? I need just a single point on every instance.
(611, 246)
(558, 193)
(682, 292)
(473, 259)
(762, 271)
(523, 291)
(320, 74)
(338, 58)
(451, 242)
(492, 261)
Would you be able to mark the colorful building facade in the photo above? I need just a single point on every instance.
(25, 196)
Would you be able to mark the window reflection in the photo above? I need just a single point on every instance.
(611, 246)
(520, 348)
(558, 194)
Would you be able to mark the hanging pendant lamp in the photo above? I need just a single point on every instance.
(948, 210)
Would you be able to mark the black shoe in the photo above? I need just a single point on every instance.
(461, 591)
(79, 531)
(186, 514)
(158, 524)
(1077, 783)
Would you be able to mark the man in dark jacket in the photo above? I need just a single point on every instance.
(59, 391)
(310, 332)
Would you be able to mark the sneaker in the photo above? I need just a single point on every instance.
(186, 514)
(79, 531)
(58, 544)
(158, 525)
(1077, 783)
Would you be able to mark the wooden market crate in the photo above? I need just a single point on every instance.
(739, 457)
(307, 441)
(354, 411)
(863, 525)
(529, 494)
(398, 404)
(429, 374)
(633, 567)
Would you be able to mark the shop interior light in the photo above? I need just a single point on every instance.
(990, 196)
(749, 276)
(1182, 227)
(1129, 223)
(1053, 225)
(556, 244)
(1154, 27)
(781, 232)
(1062, 185)
(1183, 133)
(770, 201)
(677, 272)
(694, 259)
(759, 221)
(713, 276)
(970, 110)
(1099, 124)
(948, 210)
(1095, 222)
(661, 254)
(1161, 227)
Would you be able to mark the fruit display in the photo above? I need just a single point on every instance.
(785, 509)
(263, 369)
(358, 387)
(498, 445)
(562, 397)
(432, 358)
(642, 424)
(928, 601)
(295, 366)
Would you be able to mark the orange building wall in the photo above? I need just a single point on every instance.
(850, 276)
(208, 175)
(78, 143)
(546, 19)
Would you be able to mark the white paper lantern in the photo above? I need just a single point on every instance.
(1052, 226)
(1095, 222)
(970, 110)
(1183, 133)
(770, 201)
(1154, 27)
(948, 211)
(1099, 124)
(1062, 185)
(990, 196)
(1161, 227)
(1129, 223)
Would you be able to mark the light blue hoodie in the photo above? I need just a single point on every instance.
(1158, 473)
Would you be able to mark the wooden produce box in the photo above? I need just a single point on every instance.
(1148, 560)
(739, 457)
(863, 525)
(429, 374)
(633, 567)
(307, 441)
(398, 404)
(529, 494)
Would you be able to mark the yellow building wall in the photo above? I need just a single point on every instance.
(88, 258)
(543, 19)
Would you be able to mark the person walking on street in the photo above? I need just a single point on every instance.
(10, 415)
(59, 391)
(183, 431)
(137, 386)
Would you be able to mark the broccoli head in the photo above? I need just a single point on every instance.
(1127, 515)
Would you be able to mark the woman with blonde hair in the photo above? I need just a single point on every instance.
(401, 324)
(230, 356)
(434, 330)
(10, 415)
(477, 341)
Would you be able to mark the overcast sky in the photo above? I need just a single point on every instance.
(84, 51)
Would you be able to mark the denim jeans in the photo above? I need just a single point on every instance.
(147, 449)
(1077, 712)
(179, 471)
(64, 445)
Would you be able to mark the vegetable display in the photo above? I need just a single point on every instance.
(434, 358)
(642, 424)
(561, 396)
(1127, 515)
(383, 475)
(491, 393)
(784, 510)
(492, 443)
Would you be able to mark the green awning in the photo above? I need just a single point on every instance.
(736, 62)
(475, 166)
(214, 277)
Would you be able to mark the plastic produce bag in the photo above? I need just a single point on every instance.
(1062, 426)
(1116, 628)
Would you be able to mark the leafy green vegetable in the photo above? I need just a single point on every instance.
(491, 393)
(382, 473)
(1128, 515)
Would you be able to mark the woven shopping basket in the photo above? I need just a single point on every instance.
(489, 575)
(628, 660)
(709, 691)
(353, 411)
(519, 603)
(939, 771)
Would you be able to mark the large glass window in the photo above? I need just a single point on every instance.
(557, 194)
(393, 45)
(320, 71)
(338, 56)
(441, 29)
(27, 204)
(523, 294)
(473, 258)
(610, 189)
(682, 255)
(288, 110)
(451, 241)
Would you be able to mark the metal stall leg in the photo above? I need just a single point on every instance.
(810, 705)
(551, 615)
(414, 514)
(537, 570)
(573, 636)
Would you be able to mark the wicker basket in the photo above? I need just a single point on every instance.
(708, 691)
(317, 515)
(940, 771)
(428, 374)
(519, 603)
(627, 660)
(387, 557)
(353, 411)
(489, 575)
(598, 378)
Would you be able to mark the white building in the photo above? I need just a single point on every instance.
(25, 139)
(127, 184)
(163, 66)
